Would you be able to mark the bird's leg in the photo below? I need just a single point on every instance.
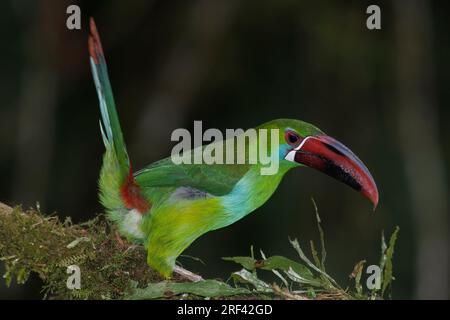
(120, 240)
(187, 274)
(123, 244)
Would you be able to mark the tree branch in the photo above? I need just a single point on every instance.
(32, 242)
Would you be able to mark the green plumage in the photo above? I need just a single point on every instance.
(167, 206)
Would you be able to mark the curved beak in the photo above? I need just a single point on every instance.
(331, 157)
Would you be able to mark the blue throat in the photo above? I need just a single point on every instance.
(251, 192)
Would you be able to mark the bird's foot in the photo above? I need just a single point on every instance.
(120, 241)
(187, 274)
(123, 244)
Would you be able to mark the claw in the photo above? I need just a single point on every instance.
(187, 274)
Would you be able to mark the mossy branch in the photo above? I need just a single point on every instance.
(33, 242)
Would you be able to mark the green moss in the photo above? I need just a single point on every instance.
(32, 242)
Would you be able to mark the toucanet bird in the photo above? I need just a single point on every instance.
(166, 206)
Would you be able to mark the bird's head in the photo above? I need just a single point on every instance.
(302, 144)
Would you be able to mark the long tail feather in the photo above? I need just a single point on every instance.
(109, 126)
(118, 189)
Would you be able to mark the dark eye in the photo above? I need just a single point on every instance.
(292, 137)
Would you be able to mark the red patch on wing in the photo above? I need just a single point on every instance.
(132, 196)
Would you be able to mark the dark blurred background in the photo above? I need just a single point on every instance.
(237, 64)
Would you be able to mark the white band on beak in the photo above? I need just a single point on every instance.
(291, 154)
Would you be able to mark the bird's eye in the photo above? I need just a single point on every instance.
(292, 137)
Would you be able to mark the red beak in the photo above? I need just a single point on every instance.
(328, 155)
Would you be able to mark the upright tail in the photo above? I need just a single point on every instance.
(118, 189)
(109, 125)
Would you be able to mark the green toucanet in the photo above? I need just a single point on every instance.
(166, 206)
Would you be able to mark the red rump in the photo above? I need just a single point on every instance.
(132, 196)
